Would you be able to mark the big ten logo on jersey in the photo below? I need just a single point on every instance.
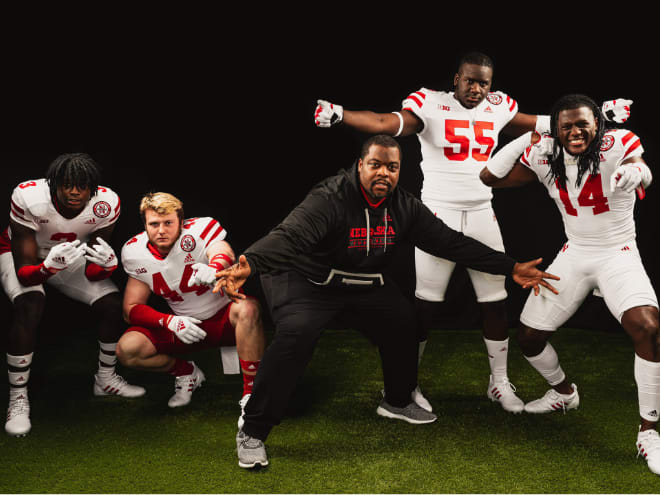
(161, 288)
(459, 132)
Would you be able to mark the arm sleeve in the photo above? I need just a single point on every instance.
(298, 234)
(432, 235)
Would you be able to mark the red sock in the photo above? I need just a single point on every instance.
(181, 367)
(249, 369)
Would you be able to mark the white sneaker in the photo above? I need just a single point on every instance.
(116, 385)
(504, 392)
(242, 402)
(648, 446)
(184, 386)
(420, 400)
(554, 401)
(18, 416)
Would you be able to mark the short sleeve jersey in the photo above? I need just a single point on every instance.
(456, 142)
(168, 276)
(32, 206)
(592, 214)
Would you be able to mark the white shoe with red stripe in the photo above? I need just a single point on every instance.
(504, 392)
(648, 446)
(18, 416)
(184, 386)
(554, 401)
(116, 385)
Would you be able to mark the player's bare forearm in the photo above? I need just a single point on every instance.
(372, 122)
(23, 245)
(520, 124)
(136, 292)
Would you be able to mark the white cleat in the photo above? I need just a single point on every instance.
(242, 402)
(18, 416)
(116, 385)
(554, 401)
(184, 386)
(648, 446)
(504, 392)
(420, 400)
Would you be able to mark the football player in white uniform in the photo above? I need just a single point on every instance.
(592, 173)
(177, 259)
(457, 132)
(51, 220)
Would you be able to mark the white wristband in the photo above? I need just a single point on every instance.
(504, 160)
(542, 124)
(398, 114)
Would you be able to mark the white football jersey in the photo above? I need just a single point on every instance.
(168, 277)
(592, 214)
(456, 142)
(31, 206)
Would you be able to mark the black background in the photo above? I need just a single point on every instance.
(224, 120)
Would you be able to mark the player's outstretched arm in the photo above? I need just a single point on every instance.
(233, 278)
(529, 277)
(504, 169)
(401, 123)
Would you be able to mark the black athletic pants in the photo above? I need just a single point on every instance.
(301, 310)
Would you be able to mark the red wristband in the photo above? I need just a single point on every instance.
(146, 316)
(217, 261)
(96, 272)
(33, 274)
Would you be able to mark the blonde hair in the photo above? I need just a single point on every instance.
(162, 203)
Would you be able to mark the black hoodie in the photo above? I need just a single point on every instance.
(336, 227)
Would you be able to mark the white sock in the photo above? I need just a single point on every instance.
(647, 377)
(107, 358)
(19, 378)
(498, 350)
(547, 364)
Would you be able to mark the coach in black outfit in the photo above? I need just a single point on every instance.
(328, 257)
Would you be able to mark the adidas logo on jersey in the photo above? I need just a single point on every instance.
(91, 221)
(488, 109)
(189, 259)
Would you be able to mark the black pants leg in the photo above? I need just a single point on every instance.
(387, 318)
(300, 312)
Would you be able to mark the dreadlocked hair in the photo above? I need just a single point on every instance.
(589, 161)
(73, 169)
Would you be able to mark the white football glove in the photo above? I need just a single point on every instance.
(328, 114)
(101, 254)
(186, 329)
(626, 177)
(617, 110)
(62, 255)
(202, 274)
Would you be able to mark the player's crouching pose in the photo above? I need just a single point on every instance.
(592, 174)
(49, 218)
(177, 259)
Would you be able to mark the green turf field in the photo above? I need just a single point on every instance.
(332, 441)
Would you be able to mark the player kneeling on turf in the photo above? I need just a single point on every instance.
(177, 259)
